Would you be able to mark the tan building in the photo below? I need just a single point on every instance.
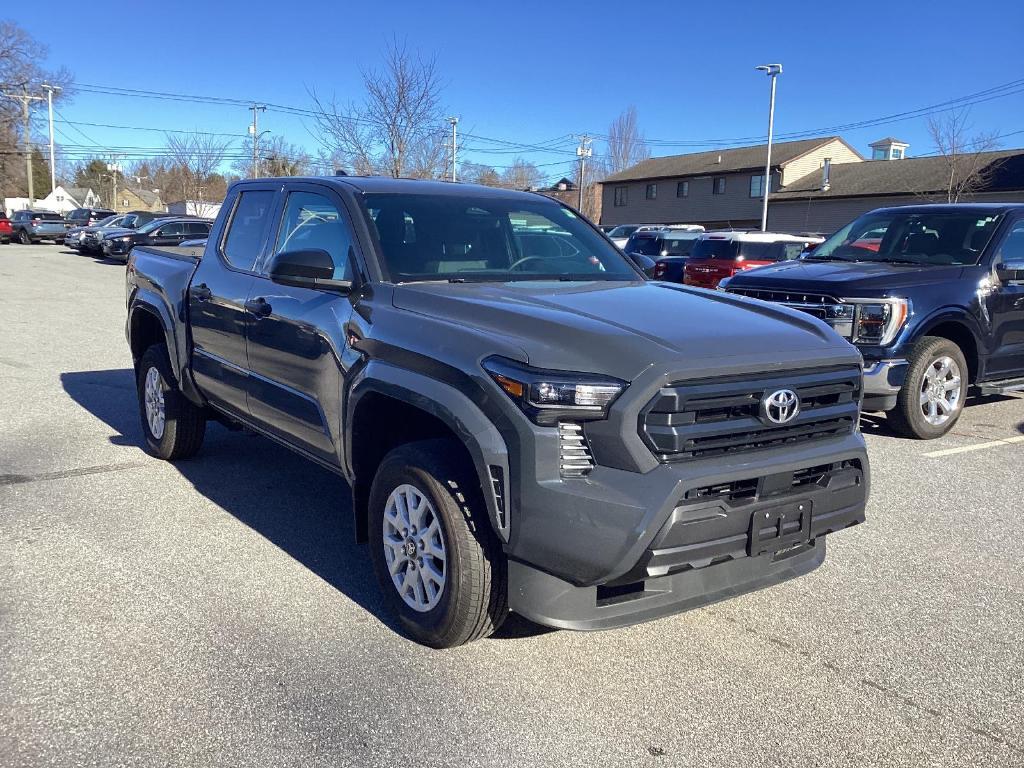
(133, 199)
(719, 189)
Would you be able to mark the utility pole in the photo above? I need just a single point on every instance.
(454, 122)
(49, 104)
(773, 71)
(26, 136)
(583, 151)
(254, 130)
(114, 168)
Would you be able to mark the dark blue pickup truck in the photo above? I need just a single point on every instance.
(932, 295)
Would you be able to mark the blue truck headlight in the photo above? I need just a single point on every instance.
(548, 396)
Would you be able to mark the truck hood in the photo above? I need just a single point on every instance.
(844, 279)
(113, 232)
(621, 328)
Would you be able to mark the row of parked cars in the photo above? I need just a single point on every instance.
(99, 231)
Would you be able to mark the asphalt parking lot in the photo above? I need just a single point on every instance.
(217, 612)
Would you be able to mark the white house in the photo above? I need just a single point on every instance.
(62, 200)
(202, 208)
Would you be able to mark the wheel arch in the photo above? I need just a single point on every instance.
(962, 330)
(390, 406)
(148, 325)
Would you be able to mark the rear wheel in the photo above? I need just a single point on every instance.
(174, 427)
(23, 238)
(933, 394)
(439, 564)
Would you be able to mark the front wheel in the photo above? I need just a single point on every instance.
(437, 559)
(174, 426)
(932, 397)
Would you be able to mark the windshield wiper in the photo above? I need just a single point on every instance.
(832, 258)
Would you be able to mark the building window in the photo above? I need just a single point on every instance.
(652, 192)
(620, 197)
(878, 154)
(757, 186)
(897, 153)
(718, 187)
(683, 189)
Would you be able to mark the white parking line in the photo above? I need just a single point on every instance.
(975, 447)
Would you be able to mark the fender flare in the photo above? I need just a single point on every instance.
(147, 301)
(457, 411)
(953, 314)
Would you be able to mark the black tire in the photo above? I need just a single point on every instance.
(473, 602)
(908, 417)
(184, 423)
(23, 238)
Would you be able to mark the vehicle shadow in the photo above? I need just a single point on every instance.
(300, 507)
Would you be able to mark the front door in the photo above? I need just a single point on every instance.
(217, 297)
(298, 348)
(1006, 310)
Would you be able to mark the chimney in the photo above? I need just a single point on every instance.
(826, 174)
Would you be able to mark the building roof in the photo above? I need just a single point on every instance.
(80, 194)
(886, 142)
(912, 175)
(720, 160)
(149, 198)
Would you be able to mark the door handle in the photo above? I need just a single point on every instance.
(259, 307)
(201, 292)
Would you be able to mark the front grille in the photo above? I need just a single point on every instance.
(574, 454)
(710, 417)
(812, 303)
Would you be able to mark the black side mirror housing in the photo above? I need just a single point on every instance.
(1011, 271)
(307, 268)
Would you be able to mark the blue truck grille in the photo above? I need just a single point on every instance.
(707, 417)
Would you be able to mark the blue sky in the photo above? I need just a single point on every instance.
(537, 72)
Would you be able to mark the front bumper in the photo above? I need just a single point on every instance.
(883, 380)
(115, 248)
(717, 534)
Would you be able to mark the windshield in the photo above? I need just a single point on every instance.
(149, 227)
(623, 230)
(470, 238)
(928, 238)
(647, 245)
(107, 221)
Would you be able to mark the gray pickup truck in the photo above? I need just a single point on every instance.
(525, 421)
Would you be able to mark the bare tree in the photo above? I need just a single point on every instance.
(626, 144)
(21, 70)
(478, 173)
(196, 158)
(277, 157)
(522, 174)
(968, 168)
(397, 130)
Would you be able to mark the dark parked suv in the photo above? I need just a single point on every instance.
(518, 424)
(163, 231)
(932, 295)
(87, 217)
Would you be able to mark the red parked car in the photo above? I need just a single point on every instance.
(718, 255)
(5, 228)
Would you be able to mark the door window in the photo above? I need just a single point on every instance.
(174, 228)
(244, 239)
(312, 221)
(197, 228)
(1012, 248)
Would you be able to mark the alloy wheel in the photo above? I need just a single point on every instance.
(941, 391)
(154, 399)
(414, 548)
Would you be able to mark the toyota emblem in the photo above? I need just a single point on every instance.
(781, 406)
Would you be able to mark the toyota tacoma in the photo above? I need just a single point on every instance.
(521, 426)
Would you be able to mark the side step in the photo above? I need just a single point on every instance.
(1001, 387)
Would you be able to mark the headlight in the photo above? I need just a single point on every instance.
(125, 238)
(868, 321)
(547, 396)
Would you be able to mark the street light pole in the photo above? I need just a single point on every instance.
(49, 104)
(583, 151)
(255, 131)
(773, 71)
(454, 121)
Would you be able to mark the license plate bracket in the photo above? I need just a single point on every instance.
(780, 527)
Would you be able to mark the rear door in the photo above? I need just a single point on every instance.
(171, 233)
(298, 348)
(217, 296)
(1006, 309)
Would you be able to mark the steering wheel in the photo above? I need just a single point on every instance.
(525, 260)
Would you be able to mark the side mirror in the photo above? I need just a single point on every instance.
(309, 268)
(1011, 271)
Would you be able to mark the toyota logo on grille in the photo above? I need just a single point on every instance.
(781, 406)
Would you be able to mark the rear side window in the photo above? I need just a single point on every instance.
(46, 217)
(715, 249)
(758, 251)
(244, 239)
(197, 228)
